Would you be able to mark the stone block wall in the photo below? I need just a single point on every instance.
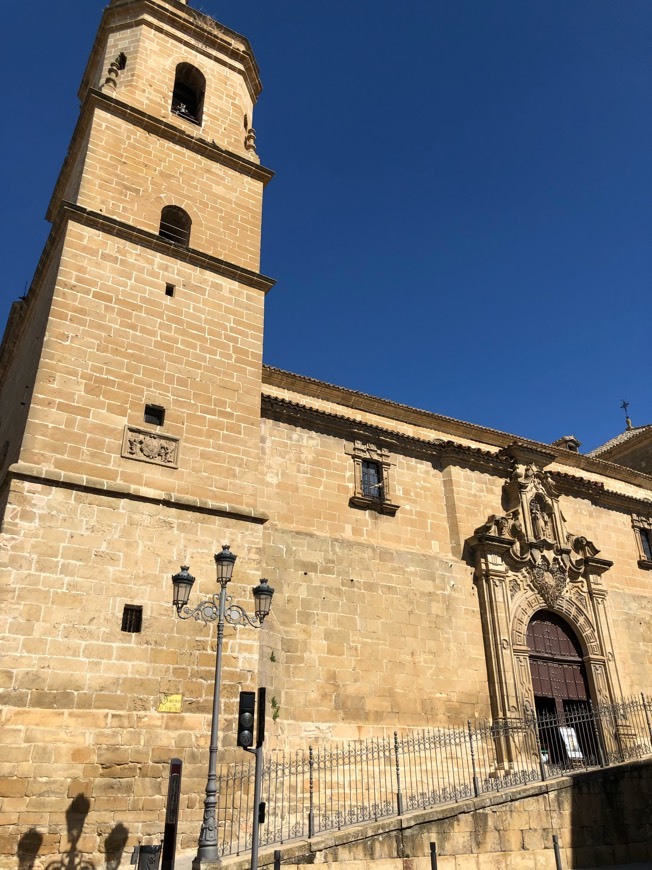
(116, 342)
(80, 699)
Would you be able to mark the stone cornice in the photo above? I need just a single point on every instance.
(339, 425)
(115, 489)
(527, 453)
(342, 426)
(163, 129)
(596, 491)
(204, 30)
(138, 236)
(313, 388)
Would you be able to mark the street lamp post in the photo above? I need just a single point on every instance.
(218, 608)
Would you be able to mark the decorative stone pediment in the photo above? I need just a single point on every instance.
(532, 531)
(367, 450)
(531, 492)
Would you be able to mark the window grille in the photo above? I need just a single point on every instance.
(132, 618)
(175, 225)
(372, 477)
(643, 531)
(154, 415)
(372, 480)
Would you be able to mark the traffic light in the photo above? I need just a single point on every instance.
(246, 709)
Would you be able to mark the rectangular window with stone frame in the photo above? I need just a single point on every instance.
(372, 476)
(643, 531)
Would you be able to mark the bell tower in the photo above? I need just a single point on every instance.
(152, 265)
(130, 384)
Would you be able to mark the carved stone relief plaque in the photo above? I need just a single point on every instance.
(549, 580)
(153, 447)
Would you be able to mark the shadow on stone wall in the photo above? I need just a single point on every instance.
(611, 816)
(28, 848)
(31, 841)
(114, 846)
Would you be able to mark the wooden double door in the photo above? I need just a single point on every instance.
(561, 692)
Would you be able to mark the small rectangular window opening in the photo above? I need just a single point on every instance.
(646, 543)
(132, 618)
(372, 480)
(155, 415)
(169, 289)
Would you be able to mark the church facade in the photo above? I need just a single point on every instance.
(412, 555)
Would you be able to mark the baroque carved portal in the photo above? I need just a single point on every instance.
(526, 561)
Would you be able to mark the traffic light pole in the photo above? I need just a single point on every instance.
(259, 808)
(258, 752)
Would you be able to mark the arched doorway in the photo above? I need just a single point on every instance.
(561, 691)
(558, 674)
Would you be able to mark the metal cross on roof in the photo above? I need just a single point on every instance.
(628, 422)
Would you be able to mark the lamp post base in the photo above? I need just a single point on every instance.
(203, 862)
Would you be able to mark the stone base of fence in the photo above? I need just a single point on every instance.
(500, 831)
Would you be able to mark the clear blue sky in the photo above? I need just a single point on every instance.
(461, 214)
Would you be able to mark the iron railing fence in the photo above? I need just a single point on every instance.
(309, 791)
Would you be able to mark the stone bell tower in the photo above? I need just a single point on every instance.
(130, 420)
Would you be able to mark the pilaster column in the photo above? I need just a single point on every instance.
(603, 674)
(492, 581)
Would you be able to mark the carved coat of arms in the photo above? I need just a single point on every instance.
(549, 581)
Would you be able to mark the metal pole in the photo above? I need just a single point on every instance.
(433, 856)
(598, 736)
(207, 847)
(257, 783)
(555, 846)
(399, 796)
(172, 814)
(277, 859)
(476, 781)
(311, 797)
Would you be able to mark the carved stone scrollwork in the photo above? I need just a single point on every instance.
(250, 139)
(146, 446)
(532, 493)
(524, 680)
(579, 618)
(549, 580)
(115, 67)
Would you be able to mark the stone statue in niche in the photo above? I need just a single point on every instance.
(541, 522)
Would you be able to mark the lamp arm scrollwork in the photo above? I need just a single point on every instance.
(236, 615)
(209, 611)
(206, 611)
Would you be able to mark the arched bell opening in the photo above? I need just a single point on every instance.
(188, 93)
